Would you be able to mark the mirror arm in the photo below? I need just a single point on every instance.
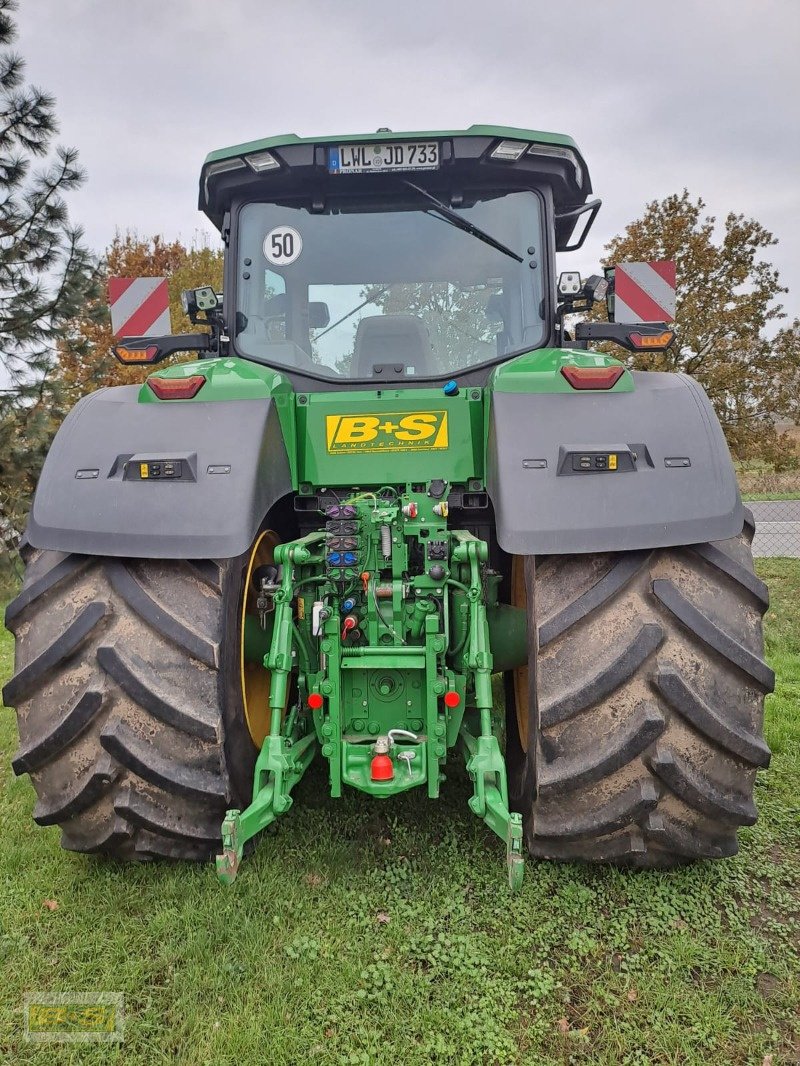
(593, 207)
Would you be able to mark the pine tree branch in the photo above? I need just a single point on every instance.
(50, 187)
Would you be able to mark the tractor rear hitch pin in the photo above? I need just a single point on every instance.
(407, 757)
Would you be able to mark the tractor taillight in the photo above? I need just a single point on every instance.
(177, 388)
(451, 699)
(592, 377)
(315, 701)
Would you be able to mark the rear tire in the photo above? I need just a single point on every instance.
(129, 703)
(645, 716)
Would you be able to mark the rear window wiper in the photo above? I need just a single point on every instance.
(453, 217)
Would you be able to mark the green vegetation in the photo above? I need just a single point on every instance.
(46, 276)
(762, 480)
(769, 496)
(365, 932)
(722, 339)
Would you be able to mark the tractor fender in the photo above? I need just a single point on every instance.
(674, 481)
(226, 461)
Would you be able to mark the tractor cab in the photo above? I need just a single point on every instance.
(385, 257)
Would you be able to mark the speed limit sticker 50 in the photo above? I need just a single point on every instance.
(282, 245)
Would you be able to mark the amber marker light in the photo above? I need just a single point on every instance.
(132, 356)
(654, 341)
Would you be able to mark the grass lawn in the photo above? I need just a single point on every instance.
(767, 496)
(366, 933)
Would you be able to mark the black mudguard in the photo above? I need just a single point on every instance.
(91, 498)
(680, 488)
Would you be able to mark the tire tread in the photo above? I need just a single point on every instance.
(646, 744)
(122, 688)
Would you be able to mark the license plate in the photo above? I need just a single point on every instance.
(375, 158)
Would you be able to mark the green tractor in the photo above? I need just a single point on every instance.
(394, 508)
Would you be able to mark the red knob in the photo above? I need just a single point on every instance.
(315, 701)
(451, 699)
(381, 768)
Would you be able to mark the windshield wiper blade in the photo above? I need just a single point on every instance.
(453, 217)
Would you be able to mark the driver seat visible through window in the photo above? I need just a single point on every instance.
(396, 339)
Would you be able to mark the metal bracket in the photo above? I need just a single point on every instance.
(280, 765)
(288, 749)
(485, 761)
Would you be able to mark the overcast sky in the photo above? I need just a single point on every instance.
(658, 94)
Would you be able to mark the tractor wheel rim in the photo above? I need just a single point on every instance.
(255, 680)
(519, 598)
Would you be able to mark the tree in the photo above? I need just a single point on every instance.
(727, 297)
(45, 269)
(455, 317)
(86, 361)
(46, 274)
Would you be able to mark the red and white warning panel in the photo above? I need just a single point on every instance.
(139, 307)
(645, 292)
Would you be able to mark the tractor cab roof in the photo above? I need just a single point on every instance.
(501, 157)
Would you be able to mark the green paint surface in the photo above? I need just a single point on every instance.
(312, 423)
(540, 371)
(226, 379)
(384, 459)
